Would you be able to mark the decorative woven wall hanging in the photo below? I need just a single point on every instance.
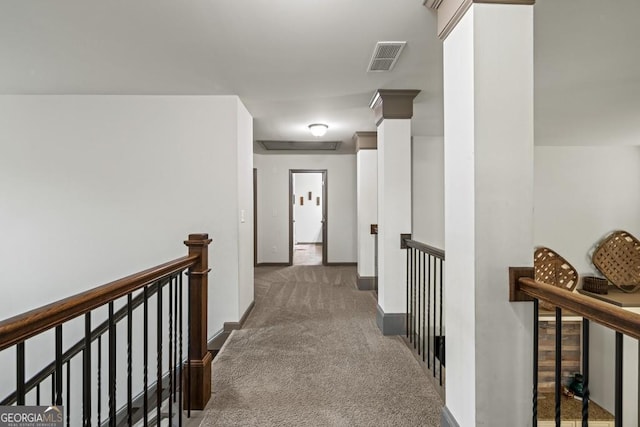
(552, 269)
(618, 259)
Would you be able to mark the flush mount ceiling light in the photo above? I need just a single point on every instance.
(318, 129)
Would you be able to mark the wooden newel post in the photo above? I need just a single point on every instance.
(197, 378)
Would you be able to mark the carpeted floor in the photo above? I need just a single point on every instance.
(310, 354)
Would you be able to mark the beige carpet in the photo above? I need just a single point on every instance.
(311, 355)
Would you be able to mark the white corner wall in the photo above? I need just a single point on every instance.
(488, 87)
(94, 188)
(428, 190)
(459, 223)
(273, 204)
(245, 210)
(367, 194)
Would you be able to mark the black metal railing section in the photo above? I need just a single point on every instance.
(425, 321)
(617, 319)
(126, 364)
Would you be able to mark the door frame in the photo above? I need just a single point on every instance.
(255, 217)
(325, 216)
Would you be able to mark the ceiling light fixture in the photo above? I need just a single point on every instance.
(318, 129)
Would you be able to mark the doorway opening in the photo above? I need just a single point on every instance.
(307, 217)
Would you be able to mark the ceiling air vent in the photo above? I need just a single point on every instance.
(300, 145)
(385, 55)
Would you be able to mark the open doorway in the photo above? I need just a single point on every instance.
(307, 217)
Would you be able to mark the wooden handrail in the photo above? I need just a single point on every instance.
(598, 311)
(438, 253)
(26, 325)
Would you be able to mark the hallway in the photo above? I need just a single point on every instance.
(310, 354)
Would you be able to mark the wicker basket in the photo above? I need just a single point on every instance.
(552, 269)
(617, 257)
(597, 285)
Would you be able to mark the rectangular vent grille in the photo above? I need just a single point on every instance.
(385, 55)
(300, 145)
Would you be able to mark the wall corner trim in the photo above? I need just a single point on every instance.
(391, 323)
(450, 12)
(366, 283)
(447, 419)
(232, 326)
(393, 104)
(365, 140)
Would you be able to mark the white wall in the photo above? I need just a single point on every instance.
(488, 87)
(459, 225)
(245, 207)
(394, 212)
(307, 227)
(367, 181)
(428, 190)
(581, 194)
(273, 204)
(93, 188)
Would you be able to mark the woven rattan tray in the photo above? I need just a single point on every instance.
(618, 259)
(552, 269)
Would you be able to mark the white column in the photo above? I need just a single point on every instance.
(367, 205)
(488, 93)
(393, 109)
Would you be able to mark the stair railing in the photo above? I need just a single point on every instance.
(179, 383)
(424, 305)
(522, 287)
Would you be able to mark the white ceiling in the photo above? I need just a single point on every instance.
(296, 62)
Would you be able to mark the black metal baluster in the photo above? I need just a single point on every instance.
(129, 359)
(145, 356)
(424, 309)
(53, 388)
(175, 341)
(536, 345)
(38, 394)
(180, 376)
(189, 296)
(442, 339)
(558, 383)
(418, 317)
(428, 310)
(618, 392)
(585, 373)
(20, 368)
(86, 372)
(170, 349)
(68, 405)
(435, 270)
(408, 275)
(112, 366)
(58, 367)
(413, 282)
(99, 409)
(159, 355)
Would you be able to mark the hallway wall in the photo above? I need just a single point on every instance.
(273, 204)
(94, 188)
(428, 190)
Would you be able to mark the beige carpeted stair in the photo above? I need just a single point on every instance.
(310, 354)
